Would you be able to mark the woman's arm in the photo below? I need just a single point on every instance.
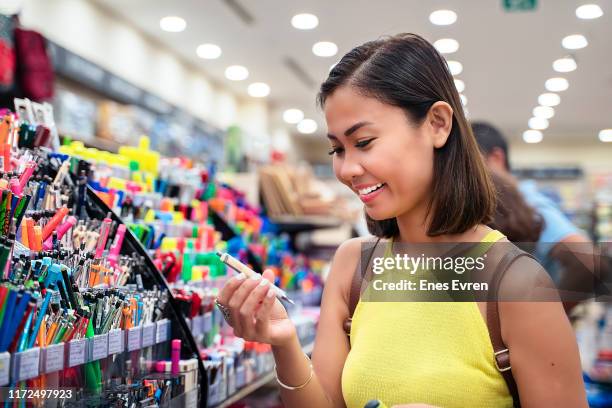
(543, 350)
(258, 317)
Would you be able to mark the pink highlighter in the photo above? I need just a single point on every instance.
(113, 255)
(175, 357)
(61, 231)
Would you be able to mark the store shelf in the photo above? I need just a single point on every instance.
(292, 223)
(255, 385)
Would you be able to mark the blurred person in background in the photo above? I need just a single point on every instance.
(562, 248)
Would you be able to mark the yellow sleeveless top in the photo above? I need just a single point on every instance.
(436, 353)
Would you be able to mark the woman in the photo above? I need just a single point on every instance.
(400, 141)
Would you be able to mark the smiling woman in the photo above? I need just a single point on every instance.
(400, 141)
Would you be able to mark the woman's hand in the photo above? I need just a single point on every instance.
(255, 313)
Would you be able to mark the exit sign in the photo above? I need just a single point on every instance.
(520, 5)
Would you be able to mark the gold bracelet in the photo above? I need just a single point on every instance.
(290, 388)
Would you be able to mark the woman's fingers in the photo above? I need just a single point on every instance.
(238, 298)
(229, 288)
(263, 313)
(250, 306)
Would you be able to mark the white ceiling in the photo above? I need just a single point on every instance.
(506, 56)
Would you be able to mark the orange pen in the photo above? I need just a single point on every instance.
(30, 227)
(42, 333)
(7, 157)
(54, 222)
(24, 234)
(51, 333)
(37, 238)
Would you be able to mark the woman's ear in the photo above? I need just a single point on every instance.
(440, 122)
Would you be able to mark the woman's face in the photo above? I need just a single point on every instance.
(379, 154)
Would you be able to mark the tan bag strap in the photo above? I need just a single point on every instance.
(356, 288)
(501, 352)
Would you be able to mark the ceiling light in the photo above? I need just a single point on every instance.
(532, 136)
(565, 64)
(305, 21)
(460, 85)
(605, 135)
(443, 17)
(589, 11)
(556, 84)
(259, 90)
(463, 99)
(538, 123)
(574, 42)
(172, 24)
(325, 49)
(446, 45)
(545, 112)
(236, 73)
(208, 51)
(549, 99)
(455, 67)
(293, 116)
(307, 126)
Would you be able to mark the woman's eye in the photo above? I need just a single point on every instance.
(363, 143)
(335, 150)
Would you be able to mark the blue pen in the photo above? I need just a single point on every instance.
(8, 316)
(24, 336)
(39, 320)
(41, 193)
(14, 321)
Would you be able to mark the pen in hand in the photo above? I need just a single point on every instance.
(248, 272)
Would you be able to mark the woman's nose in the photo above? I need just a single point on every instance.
(349, 168)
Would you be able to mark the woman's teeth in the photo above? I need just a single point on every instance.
(370, 189)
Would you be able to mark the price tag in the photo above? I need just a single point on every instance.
(5, 368)
(76, 352)
(134, 338)
(208, 322)
(163, 331)
(28, 364)
(99, 347)
(54, 358)
(116, 341)
(148, 334)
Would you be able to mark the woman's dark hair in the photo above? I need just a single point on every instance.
(406, 71)
(514, 218)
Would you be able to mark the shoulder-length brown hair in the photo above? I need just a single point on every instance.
(406, 71)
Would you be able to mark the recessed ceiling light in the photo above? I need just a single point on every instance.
(455, 67)
(236, 73)
(293, 116)
(325, 49)
(589, 11)
(605, 135)
(538, 123)
(574, 42)
(307, 126)
(556, 84)
(565, 64)
(259, 90)
(208, 51)
(545, 112)
(305, 21)
(446, 45)
(443, 17)
(549, 99)
(532, 136)
(464, 99)
(172, 24)
(460, 85)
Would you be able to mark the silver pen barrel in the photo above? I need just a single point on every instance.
(248, 272)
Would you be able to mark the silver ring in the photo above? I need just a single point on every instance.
(227, 315)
